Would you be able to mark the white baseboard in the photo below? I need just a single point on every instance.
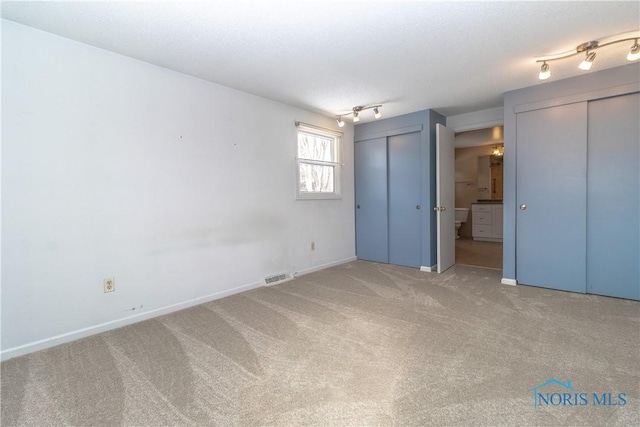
(510, 282)
(114, 324)
(429, 269)
(323, 266)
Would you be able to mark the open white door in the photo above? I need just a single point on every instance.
(445, 197)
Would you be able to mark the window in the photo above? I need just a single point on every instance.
(318, 162)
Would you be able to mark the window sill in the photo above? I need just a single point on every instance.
(318, 196)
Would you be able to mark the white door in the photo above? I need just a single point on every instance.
(445, 197)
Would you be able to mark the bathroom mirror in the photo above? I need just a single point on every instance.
(489, 178)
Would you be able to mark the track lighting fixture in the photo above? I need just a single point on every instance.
(356, 113)
(588, 49)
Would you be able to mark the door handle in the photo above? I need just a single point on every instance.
(523, 207)
(418, 207)
(358, 206)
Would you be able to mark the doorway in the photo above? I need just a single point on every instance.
(479, 156)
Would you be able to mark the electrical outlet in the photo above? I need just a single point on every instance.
(313, 246)
(109, 284)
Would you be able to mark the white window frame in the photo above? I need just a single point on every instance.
(336, 136)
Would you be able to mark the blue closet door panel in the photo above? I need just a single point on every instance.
(405, 245)
(372, 243)
(551, 181)
(613, 197)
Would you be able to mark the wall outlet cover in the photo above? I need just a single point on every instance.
(109, 284)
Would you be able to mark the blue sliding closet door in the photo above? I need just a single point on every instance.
(388, 199)
(372, 241)
(613, 197)
(551, 169)
(405, 244)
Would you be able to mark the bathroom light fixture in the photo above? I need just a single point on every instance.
(588, 49)
(356, 113)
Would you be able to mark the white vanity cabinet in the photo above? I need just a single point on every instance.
(487, 221)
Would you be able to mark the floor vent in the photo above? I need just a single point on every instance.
(277, 278)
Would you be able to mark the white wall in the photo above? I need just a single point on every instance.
(181, 189)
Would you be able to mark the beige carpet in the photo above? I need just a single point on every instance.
(358, 344)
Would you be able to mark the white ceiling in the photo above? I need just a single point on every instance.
(328, 56)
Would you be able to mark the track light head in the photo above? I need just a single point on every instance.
(588, 61)
(545, 72)
(356, 111)
(340, 121)
(634, 52)
(376, 113)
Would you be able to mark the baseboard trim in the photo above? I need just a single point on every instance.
(510, 282)
(323, 266)
(114, 324)
(429, 269)
(10, 353)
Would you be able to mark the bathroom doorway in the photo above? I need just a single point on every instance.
(479, 156)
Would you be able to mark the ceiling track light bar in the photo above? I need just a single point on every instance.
(355, 111)
(584, 47)
(588, 49)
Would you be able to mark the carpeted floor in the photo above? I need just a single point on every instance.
(358, 344)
